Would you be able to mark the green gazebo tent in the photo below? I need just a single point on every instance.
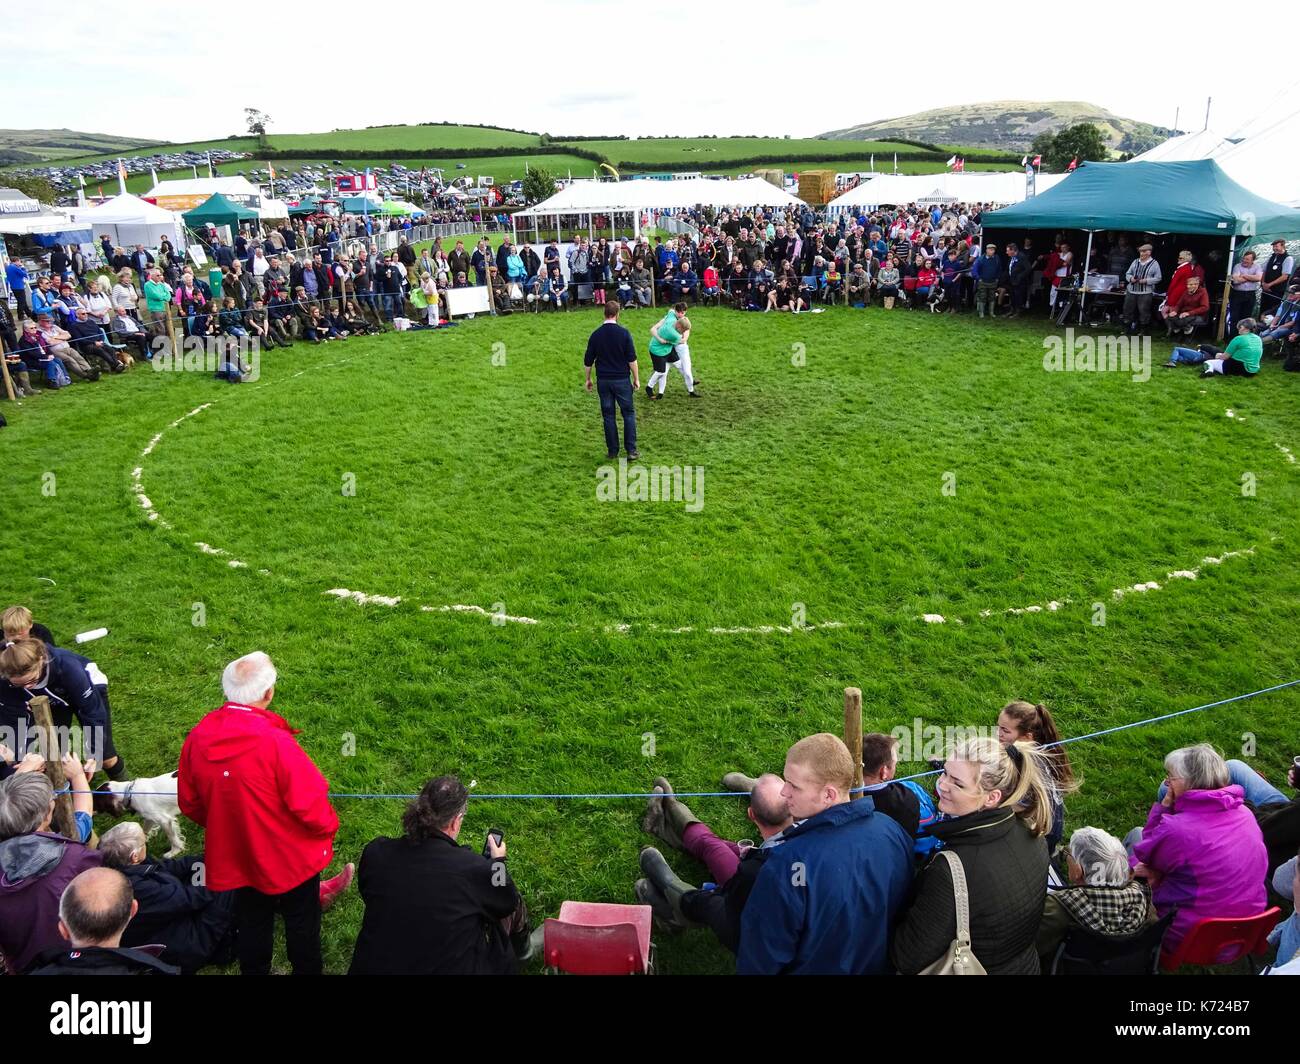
(1192, 197)
(217, 210)
(1195, 197)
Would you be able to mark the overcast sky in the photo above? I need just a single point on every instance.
(685, 67)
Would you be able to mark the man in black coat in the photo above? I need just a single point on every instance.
(174, 909)
(93, 912)
(434, 907)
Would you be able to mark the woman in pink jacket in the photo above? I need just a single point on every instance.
(1201, 849)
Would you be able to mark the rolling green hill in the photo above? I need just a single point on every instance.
(34, 146)
(1006, 125)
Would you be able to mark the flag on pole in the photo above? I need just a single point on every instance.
(1038, 160)
(154, 174)
(951, 163)
(121, 176)
(960, 168)
(209, 164)
(195, 168)
(1073, 163)
(81, 179)
(1024, 159)
(271, 171)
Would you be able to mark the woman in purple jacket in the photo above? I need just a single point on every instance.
(1201, 849)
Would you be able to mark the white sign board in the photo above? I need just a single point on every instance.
(196, 253)
(467, 301)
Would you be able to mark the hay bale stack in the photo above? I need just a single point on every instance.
(817, 187)
(772, 177)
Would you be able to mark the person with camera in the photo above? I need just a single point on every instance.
(433, 906)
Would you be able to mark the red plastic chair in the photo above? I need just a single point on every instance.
(596, 938)
(1219, 940)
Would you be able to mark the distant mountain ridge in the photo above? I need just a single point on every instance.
(1007, 125)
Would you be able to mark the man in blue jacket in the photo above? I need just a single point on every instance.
(824, 901)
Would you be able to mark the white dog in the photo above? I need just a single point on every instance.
(154, 800)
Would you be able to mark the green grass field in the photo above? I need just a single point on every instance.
(861, 467)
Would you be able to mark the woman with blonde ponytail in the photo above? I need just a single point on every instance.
(1026, 722)
(997, 805)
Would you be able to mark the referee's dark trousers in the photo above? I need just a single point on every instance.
(617, 390)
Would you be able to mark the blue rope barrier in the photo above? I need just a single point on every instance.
(743, 794)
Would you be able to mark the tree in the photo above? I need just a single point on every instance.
(29, 185)
(257, 122)
(1084, 142)
(539, 184)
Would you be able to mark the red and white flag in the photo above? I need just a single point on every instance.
(1073, 163)
(1038, 160)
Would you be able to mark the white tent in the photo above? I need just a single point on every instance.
(273, 209)
(975, 186)
(129, 220)
(1269, 162)
(187, 194)
(605, 197)
(1203, 145)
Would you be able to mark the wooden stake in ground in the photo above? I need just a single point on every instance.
(4, 368)
(63, 823)
(853, 730)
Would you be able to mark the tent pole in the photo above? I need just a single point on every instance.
(1083, 292)
(1227, 287)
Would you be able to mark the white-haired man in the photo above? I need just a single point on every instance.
(270, 826)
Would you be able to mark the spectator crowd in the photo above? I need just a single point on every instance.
(326, 279)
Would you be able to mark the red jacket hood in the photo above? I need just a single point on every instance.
(229, 735)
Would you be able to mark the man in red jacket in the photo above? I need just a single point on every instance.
(265, 807)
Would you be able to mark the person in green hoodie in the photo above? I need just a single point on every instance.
(157, 297)
(1241, 359)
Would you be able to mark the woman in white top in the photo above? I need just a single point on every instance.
(124, 293)
(99, 307)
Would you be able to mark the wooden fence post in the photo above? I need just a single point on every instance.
(63, 822)
(4, 368)
(853, 730)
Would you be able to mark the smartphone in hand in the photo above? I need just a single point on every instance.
(496, 835)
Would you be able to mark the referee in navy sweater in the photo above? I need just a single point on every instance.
(611, 351)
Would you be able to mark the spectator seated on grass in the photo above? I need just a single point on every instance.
(434, 907)
(1025, 722)
(1241, 359)
(94, 911)
(825, 899)
(1102, 898)
(732, 866)
(1201, 849)
(76, 689)
(173, 909)
(904, 800)
(997, 806)
(35, 863)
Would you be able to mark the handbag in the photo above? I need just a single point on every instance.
(958, 960)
